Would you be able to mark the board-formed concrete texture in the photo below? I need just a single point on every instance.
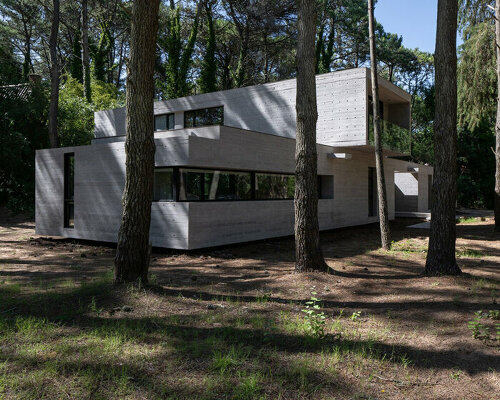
(342, 99)
(257, 135)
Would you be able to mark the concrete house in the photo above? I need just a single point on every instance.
(225, 164)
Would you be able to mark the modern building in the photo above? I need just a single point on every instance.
(225, 166)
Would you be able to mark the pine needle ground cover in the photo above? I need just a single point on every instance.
(229, 323)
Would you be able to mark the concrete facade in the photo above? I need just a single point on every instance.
(257, 135)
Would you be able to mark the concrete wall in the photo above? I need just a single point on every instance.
(406, 191)
(270, 108)
(100, 177)
(411, 187)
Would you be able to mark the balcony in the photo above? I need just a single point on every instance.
(394, 137)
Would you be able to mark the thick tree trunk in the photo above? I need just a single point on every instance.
(54, 76)
(307, 246)
(497, 126)
(441, 255)
(133, 248)
(377, 134)
(85, 52)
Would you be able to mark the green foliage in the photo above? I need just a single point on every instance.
(478, 327)
(179, 54)
(477, 77)
(423, 126)
(315, 319)
(75, 63)
(476, 167)
(76, 115)
(355, 315)
(99, 53)
(208, 71)
(76, 118)
(23, 127)
(10, 66)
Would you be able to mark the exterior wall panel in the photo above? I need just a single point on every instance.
(270, 108)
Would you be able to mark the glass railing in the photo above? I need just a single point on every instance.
(394, 137)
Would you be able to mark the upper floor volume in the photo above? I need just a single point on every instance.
(344, 111)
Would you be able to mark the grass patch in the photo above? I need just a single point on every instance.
(467, 220)
(469, 253)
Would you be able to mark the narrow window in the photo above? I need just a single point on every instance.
(429, 191)
(372, 190)
(163, 185)
(69, 190)
(204, 117)
(274, 186)
(325, 186)
(165, 122)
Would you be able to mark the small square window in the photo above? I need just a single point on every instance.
(165, 122)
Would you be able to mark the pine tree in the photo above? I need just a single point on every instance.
(441, 258)
(308, 255)
(133, 248)
(377, 134)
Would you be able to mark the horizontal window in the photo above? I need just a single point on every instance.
(165, 122)
(163, 185)
(204, 117)
(195, 184)
(222, 185)
(274, 186)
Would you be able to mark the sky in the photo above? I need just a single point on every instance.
(415, 20)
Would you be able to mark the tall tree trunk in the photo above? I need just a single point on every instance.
(441, 255)
(54, 76)
(307, 246)
(377, 134)
(497, 126)
(85, 52)
(133, 248)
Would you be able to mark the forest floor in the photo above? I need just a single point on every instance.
(227, 323)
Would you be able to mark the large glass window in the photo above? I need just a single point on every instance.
(274, 186)
(194, 184)
(190, 185)
(204, 117)
(164, 185)
(69, 190)
(222, 185)
(165, 122)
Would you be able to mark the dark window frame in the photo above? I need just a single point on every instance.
(167, 115)
(372, 197)
(176, 183)
(429, 191)
(198, 110)
(173, 192)
(69, 200)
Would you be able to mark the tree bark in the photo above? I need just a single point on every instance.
(133, 248)
(307, 245)
(497, 125)
(85, 52)
(441, 255)
(54, 77)
(377, 134)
